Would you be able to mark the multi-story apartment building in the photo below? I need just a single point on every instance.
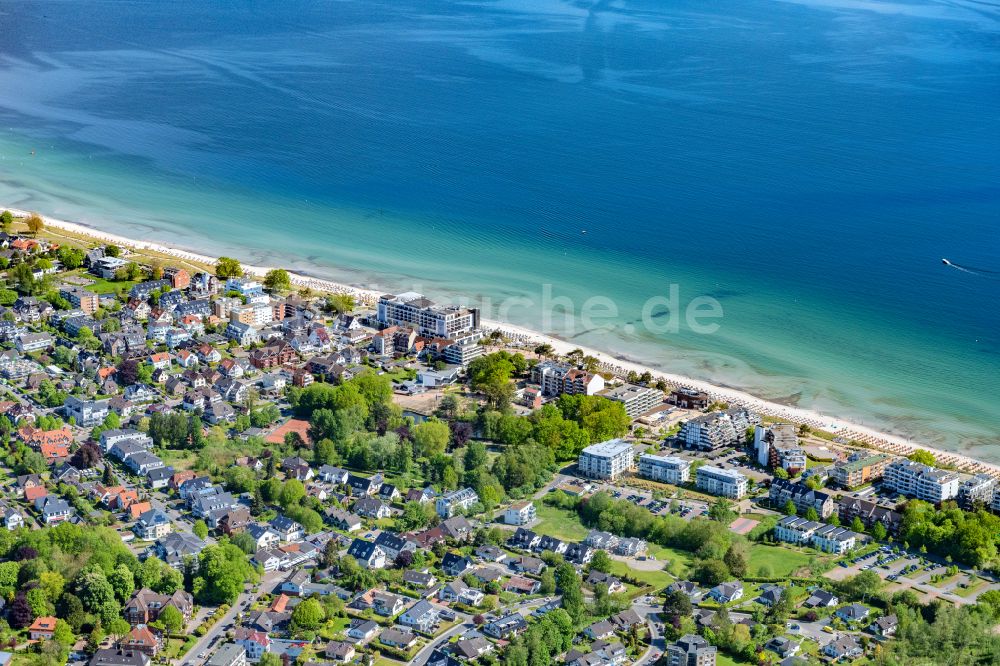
(828, 538)
(413, 310)
(802, 496)
(244, 287)
(860, 468)
(778, 446)
(869, 512)
(722, 482)
(85, 413)
(718, 429)
(520, 513)
(976, 490)
(607, 460)
(637, 399)
(668, 469)
(81, 298)
(689, 399)
(557, 378)
(454, 501)
(924, 482)
(690, 650)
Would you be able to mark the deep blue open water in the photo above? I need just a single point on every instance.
(805, 163)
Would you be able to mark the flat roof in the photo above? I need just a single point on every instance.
(612, 447)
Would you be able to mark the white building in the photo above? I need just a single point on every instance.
(778, 446)
(413, 310)
(557, 378)
(520, 513)
(454, 501)
(85, 413)
(717, 429)
(607, 460)
(637, 399)
(722, 482)
(668, 469)
(828, 538)
(914, 479)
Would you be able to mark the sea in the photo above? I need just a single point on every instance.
(757, 193)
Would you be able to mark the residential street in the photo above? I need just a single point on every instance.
(245, 600)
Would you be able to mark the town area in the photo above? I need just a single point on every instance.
(205, 468)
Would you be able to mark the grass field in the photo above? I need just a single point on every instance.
(782, 561)
(659, 579)
(559, 523)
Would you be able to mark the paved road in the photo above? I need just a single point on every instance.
(244, 602)
(466, 623)
(657, 644)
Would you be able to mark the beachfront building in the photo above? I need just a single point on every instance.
(778, 446)
(637, 399)
(607, 460)
(721, 482)
(557, 378)
(976, 490)
(828, 538)
(413, 310)
(802, 496)
(860, 468)
(924, 482)
(667, 469)
(689, 399)
(718, 429)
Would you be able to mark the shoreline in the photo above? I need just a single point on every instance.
(874, 439)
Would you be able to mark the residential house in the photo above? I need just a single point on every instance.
(367, 554)
(727, 593)
(421, 616)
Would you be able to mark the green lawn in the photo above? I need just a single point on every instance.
(677, 562)
(974, 587)
(559, 523)
(781, 560)
(659, 579)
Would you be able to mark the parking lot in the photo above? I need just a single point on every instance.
(908, 570)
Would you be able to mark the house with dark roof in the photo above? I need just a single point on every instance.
(367, 554)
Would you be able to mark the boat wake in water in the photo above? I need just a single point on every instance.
(974, 271)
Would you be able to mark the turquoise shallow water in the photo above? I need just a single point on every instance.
(806, 164)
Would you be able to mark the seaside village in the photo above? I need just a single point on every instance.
(208, 468)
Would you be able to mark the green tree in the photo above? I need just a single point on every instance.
(811, 514)
(309, 614)
(857, 525)
(200, 529)
(431, 437)
(6, 219)
(924, 457)
(601, 562)
(35, 223)
(171, 619)
(340, 303)
(227, 267)
(879, 532)
(292, 493)
(277, 279)
(122, 582)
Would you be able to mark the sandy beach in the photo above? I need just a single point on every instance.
(523, 336)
